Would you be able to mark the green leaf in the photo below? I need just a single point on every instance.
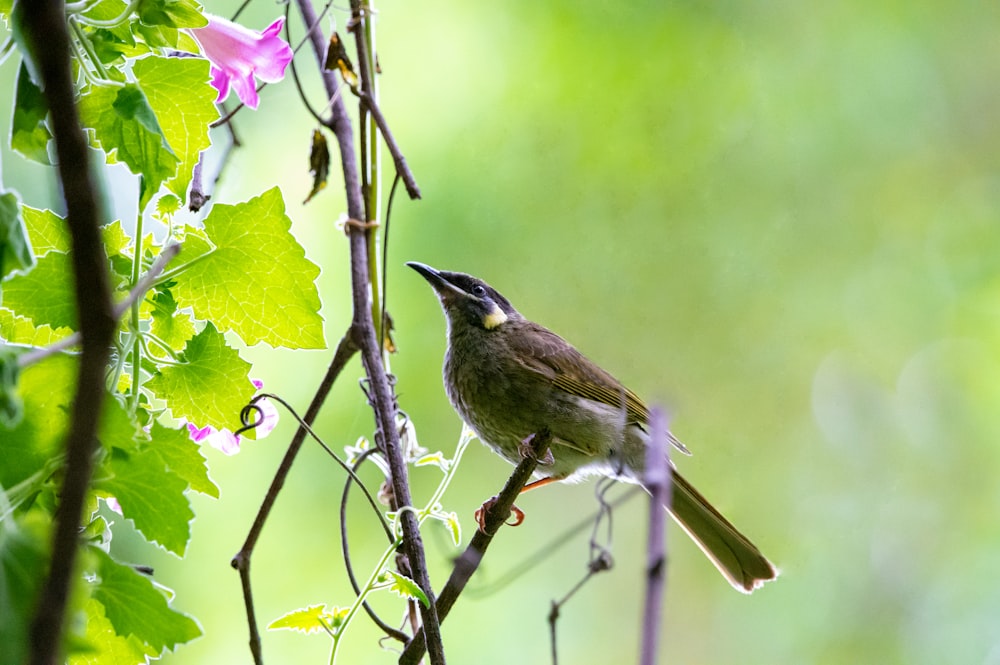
(22, 567)
(257, 282)
(19, 330)
(29, 135)
(103, 644)
(44, 295)
(127, 129)
(173, 328)
(134, 606)
(311, 619)
(210, 387)
(15, 248)
(406, 588)
(11, 406)
(180, 94)
(47, 390)
(151, 496)
(171, 13)
(46, 230)
(183, 456)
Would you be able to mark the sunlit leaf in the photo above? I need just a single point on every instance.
(15, 248)
(310, 619)
(29, 134)
(210, 386)
(257, 281)
(134, 606)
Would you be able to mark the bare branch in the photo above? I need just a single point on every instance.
(44, 24)
(495, 515)
(657, 483)
(241, 562)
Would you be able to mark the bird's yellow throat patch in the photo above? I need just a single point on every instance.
(494, 318)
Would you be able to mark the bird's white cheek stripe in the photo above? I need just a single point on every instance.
(494, 318)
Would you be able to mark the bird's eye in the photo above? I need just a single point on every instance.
(479, 291)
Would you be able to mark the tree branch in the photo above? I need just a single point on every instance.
(657, 482)
(363, 330)
(469, 561)
(241, 562)
(44, 23)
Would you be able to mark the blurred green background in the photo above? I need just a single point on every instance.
(781, 221)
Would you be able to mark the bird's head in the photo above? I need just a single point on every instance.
(467, 300)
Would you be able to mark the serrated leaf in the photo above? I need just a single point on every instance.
(179, 92)
(134, 606)
(210, 387)
(29, 135)
(23, 564)
(115, 239)
(183, 456)
(257, 282)
(15, 247)
(44, 295)
(172, 13)
(126, 128)
(103, 644)
(20, 330)
(310, 619)
(173, 328)
(404, 587)
(47, 389)
(150, 495)
(46, 230)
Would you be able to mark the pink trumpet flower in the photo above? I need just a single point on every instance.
(239, 54)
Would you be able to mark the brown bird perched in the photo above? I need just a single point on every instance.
(509, 378)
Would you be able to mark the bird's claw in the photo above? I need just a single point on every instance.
(526, 450)
(480, 515)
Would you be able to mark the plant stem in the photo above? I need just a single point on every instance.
(134, 318)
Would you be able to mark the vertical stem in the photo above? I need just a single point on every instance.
(45, 32)
(371, 170)
(134, 317)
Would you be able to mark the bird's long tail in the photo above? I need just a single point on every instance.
(733, 554)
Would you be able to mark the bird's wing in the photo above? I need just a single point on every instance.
(545, 353)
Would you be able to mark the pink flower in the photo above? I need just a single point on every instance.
(239, 54)
(228, 442)
(223, 440)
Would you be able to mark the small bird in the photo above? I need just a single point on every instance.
(510, 378)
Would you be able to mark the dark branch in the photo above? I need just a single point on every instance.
(469, 561)
(44, 23)
(363, 330)
(657, 483)
(241, 562)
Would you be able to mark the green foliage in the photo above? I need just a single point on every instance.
(29, 135)
(244, 275)
(127, 129)
(184, 105)
(219, 287)
(210, 386)
(44, 295)
(15, 249)
(136, 607)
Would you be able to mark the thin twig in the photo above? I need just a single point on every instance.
(137, 292)
(657, 483)
(44, 28)
(495, 516)
(390, 142)
(346, 550)
(241, 562)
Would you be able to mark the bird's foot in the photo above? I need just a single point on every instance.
(526, 449)
(488, 505)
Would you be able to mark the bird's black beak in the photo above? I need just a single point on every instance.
(440, 284)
